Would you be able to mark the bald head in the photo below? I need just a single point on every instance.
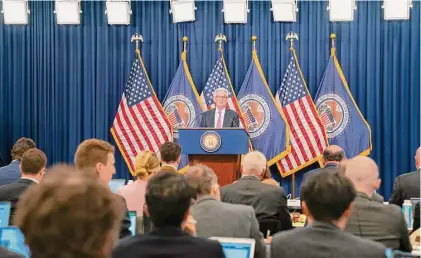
(364, 174)
(417, 158)
(333, 154)
(253, 163)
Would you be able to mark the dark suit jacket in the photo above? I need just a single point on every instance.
(231, 118)
(406, 186)
(268, 201)
(12, 192)
(323, 240)
(219, 219)
(168, 242)
(125, 223)
(4, 253)
(10, 173)
(378, 222)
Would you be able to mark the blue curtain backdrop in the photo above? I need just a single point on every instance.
(61, 84)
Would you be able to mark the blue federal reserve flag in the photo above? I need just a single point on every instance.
(182, 103)
(266, 124)
(345, 125)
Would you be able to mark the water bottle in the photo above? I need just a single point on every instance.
(407, 213)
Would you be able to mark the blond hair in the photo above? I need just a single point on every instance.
(144, 163)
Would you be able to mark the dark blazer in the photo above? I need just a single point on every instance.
(268, 201)
(406, 186)
(219, 219)
(12, 192)
(169, 242)
(231, 118)
(10, 173)
(323, 240)
(378, 222)
(5, 253)
(125, 223)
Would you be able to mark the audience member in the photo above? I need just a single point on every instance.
(326, 199)
(407, 186)
(170, 155)
(146, 165)
(217, 219)
(168, 199)
(382, 223)
(269, 202)
(267, 178)
(69, 214)
(32, 167)
(94, 156)
(11, 172)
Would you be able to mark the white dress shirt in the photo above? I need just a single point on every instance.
(217, 116)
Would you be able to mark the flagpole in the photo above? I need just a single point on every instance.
(185, 43)
(220, 38)
(291, 37)
(333, 49)
(137, 37)
(254, 38)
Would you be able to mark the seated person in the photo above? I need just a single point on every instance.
(369, 219)
(218, 219)
(326, 200)
(168, 199)
(69, 214)
(170, 155)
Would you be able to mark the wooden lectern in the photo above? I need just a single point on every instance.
(219, 149)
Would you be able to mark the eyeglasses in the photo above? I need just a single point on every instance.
(221, 97)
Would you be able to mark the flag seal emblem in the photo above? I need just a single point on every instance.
(210, 141)
(334, 113)
(180, 111)
(256, 114)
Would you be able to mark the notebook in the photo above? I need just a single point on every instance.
(237, 247)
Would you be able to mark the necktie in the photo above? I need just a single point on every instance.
(219, 122)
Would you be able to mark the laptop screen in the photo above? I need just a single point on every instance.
(115, 184)
(237, 247)
(4, 214)
(132, 217)
(13, 239)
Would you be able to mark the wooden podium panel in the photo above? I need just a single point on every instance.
(226, 167)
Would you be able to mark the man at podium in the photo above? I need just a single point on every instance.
(220, 116)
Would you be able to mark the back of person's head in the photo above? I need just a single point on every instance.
(418, 158)
(33, 162)
(168, 198)
(146, 164)
(364, 174)
(327, 196)
(333, 154)
(253, 163)
(69, 214)
(94, 155)
(21, 146)
(170, 152)
(203, 180)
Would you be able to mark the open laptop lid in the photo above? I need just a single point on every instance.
(13, 239)
(237, 247)
(115, 184)
(4, 214)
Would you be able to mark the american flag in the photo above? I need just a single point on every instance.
(219, 78)
(140, 123)
(307, 135)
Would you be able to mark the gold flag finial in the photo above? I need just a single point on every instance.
(220, 38)
(254, 39)
(185, 39)
(291, 37)
(333, 49)
(137, 37)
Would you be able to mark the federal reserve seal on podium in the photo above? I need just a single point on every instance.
(210, 141)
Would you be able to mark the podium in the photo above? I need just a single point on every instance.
(219, 149)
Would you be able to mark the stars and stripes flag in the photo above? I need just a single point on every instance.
(140, 123)
(219, 78)
(307, 135)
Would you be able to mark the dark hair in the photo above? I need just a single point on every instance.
(333, 156)
(327, 194)
(170, 151)
(22, 145)
(201, 178)
(70, 210)
(168, 196)
(32, 161)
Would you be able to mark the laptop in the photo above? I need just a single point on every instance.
(4, 214)
(115, 184)
(13, 239)
(237, 247)
(133, 218)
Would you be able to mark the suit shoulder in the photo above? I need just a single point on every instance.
(364, 244)
(231, 112)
